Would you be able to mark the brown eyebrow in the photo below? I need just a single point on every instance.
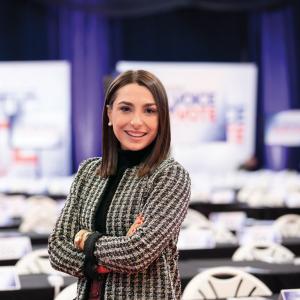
(130, 104)
(150, 104)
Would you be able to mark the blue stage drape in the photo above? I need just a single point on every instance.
(272, 45)
(83, 39)
(278, 77)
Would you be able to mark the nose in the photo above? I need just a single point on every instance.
(136, 120)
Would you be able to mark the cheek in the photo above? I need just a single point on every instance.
(117, 126)
(119, 121)
(118, 129)
(155, 124)
(154, 128)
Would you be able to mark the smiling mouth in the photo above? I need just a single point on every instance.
(135, 135)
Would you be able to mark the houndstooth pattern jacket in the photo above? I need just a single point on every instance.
(144, 265)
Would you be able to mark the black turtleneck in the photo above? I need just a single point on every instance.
(126, 159)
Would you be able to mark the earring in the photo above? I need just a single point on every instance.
(109, 123)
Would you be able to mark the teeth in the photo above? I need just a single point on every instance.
(136, 135)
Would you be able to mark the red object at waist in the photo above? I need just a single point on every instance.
(102, 270)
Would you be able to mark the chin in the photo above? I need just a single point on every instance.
(134, 147)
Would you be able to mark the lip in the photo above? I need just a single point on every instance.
(135, 134)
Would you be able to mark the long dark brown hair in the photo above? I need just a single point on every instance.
(161, 144)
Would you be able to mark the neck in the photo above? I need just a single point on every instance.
(128, 158)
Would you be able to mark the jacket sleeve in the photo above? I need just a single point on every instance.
(62, 253)
(163, 212)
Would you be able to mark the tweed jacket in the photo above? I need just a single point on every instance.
(145, 265)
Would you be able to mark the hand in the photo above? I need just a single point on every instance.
(80, 238)
(137, 223)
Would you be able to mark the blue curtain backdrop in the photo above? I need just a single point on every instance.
(279, 77)
(23, 28)
(81, 38)
(93, 35)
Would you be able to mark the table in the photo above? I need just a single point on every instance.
(34, 287)
(263, 213)
(275, 276)
(227, 250)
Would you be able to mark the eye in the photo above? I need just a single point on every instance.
(150, 110)
(125, 108)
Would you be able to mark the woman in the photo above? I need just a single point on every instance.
(118, 230)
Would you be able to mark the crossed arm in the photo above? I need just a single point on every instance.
(162, 214)
(83, 234)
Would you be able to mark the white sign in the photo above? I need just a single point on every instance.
(259, 233)
(35, 119)
(14, 247)
(194, 238)
(283, 129)
(290, 294)
(234, 220)
(212, 109)
(9, 279)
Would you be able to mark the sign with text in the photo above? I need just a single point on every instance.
(283, 129)
(35, 126)
(212, 109)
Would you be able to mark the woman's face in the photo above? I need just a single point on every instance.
(134, 117)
